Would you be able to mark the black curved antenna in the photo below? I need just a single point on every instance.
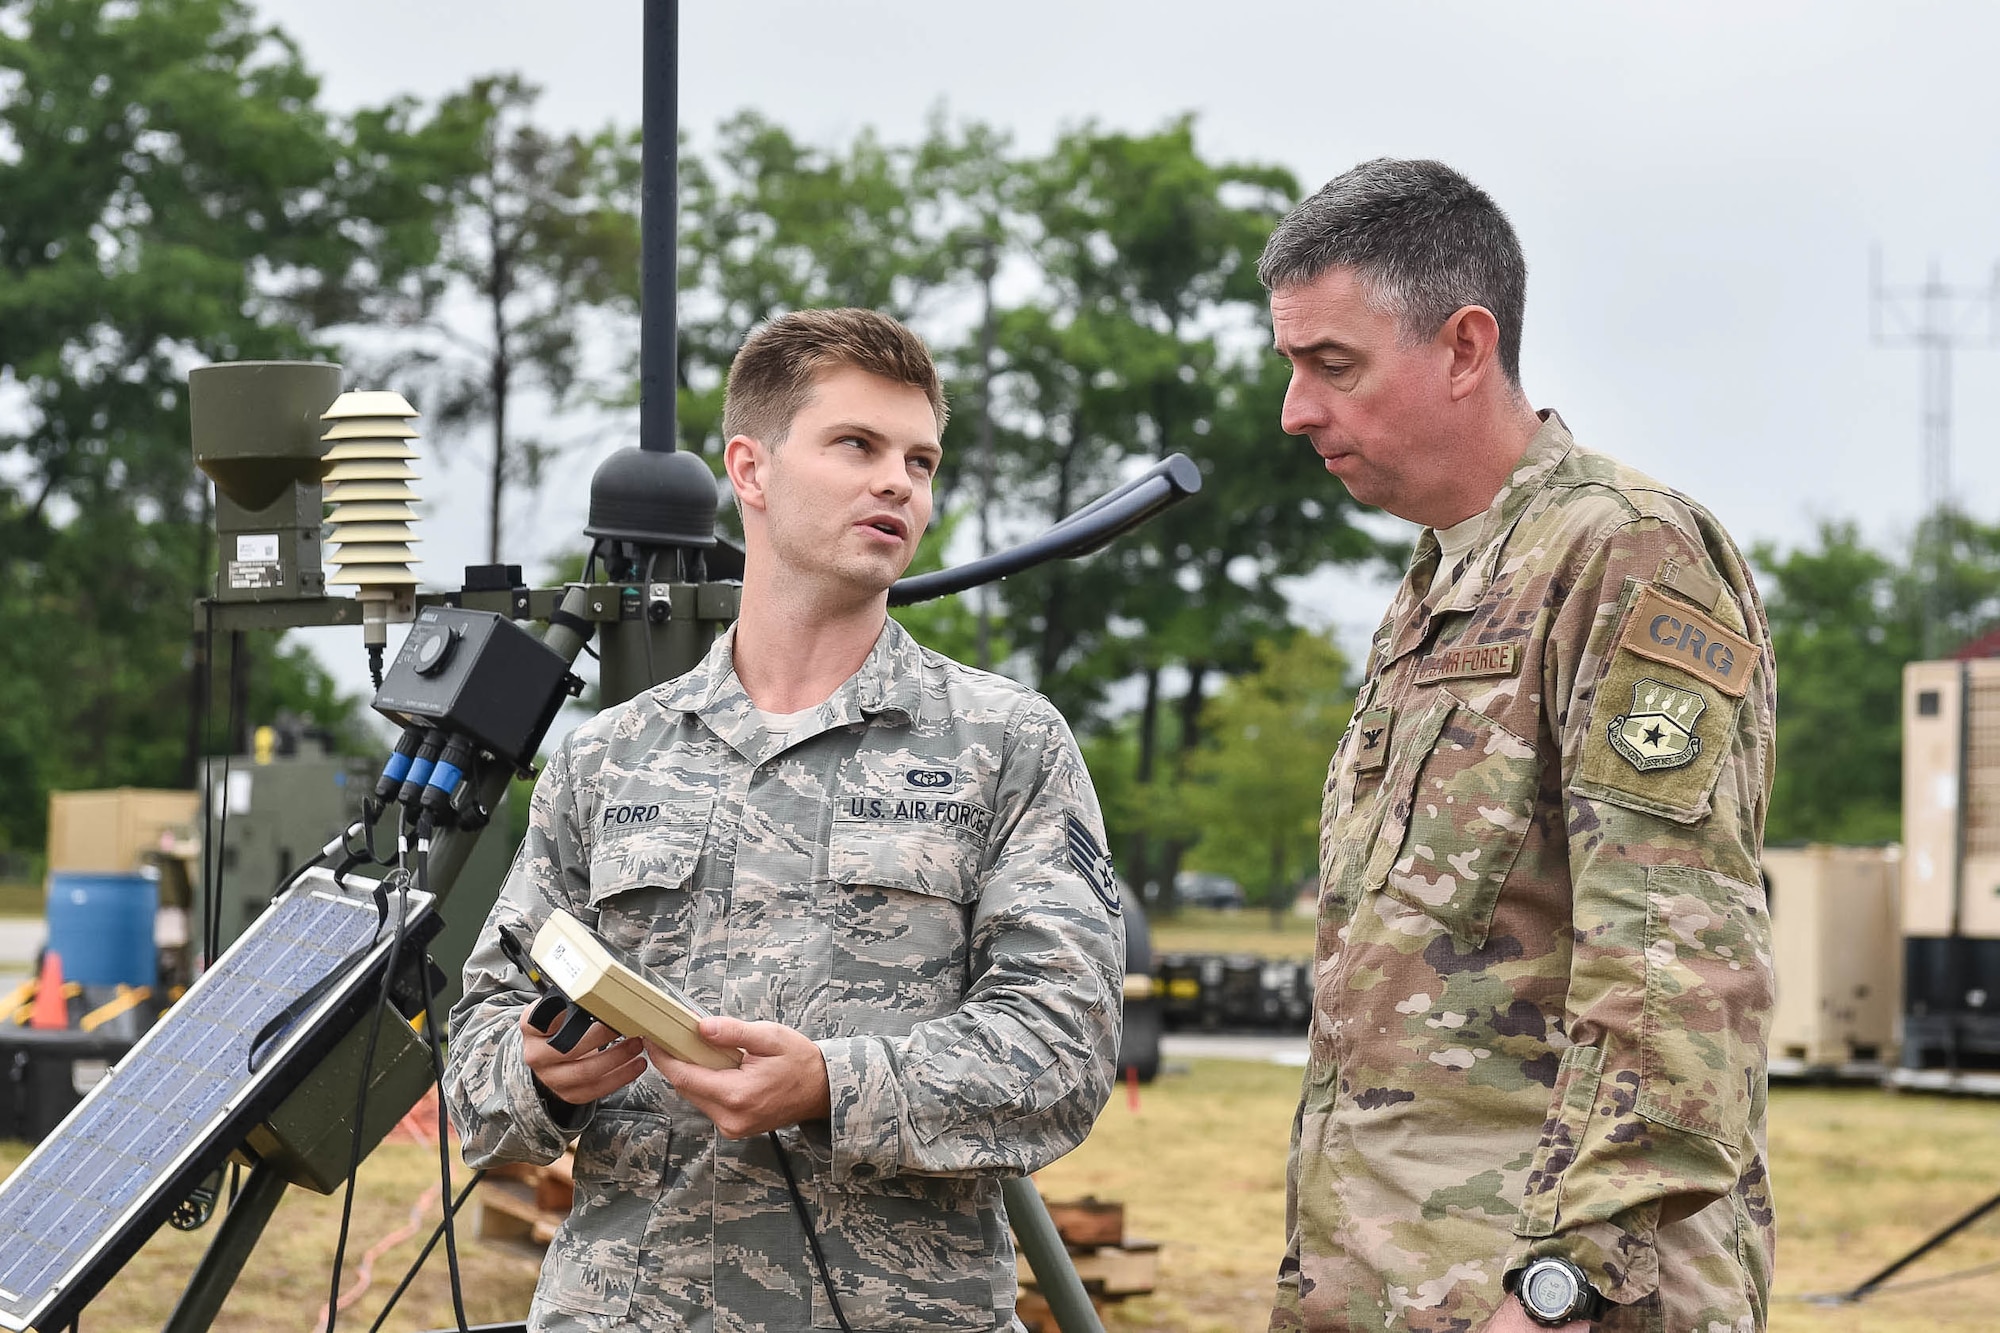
(1096, 525)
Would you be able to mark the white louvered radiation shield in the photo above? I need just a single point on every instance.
(368, 483)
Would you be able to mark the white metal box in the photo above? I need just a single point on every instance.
(1837, 952)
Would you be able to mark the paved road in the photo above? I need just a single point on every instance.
(1277, 1050)
(20, 938)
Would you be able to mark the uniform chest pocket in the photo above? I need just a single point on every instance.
(1459, 795)
(642, 882)
(903, 896)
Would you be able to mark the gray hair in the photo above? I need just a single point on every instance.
(1424, 241)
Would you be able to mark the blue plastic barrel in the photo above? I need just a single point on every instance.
(102, 925)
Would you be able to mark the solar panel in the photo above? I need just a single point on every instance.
(185, 1096)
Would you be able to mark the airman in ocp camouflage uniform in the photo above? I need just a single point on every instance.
(1543, 978)
(909, 873)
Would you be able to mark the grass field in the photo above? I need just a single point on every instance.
(284, 1286)
(1861, 1175)
(1195, 930)
(19, 899)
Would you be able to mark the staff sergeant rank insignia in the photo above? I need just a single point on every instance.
(1093, 863)
(1659, 731)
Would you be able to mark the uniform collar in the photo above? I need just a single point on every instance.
(1427, 591)
(886, 689)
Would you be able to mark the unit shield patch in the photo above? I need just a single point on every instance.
(1659, 731)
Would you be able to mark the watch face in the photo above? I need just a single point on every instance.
(1549, 1290)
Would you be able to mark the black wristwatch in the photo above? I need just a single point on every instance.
(1554, 1291)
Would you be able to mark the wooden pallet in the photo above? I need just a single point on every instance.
(524, 1203)
(1112, 1272)
(1110, 1265)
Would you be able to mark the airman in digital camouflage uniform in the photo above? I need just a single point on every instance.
(1543, 978)
(884, 869)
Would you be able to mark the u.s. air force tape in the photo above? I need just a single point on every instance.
(1093, 863)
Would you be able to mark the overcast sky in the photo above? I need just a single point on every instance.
(1698, 186)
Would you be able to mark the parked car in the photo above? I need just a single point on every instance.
(1196, 888)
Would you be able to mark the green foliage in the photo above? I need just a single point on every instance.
(540, 233)
(1254, 783)
(1844, 620)
(769, 224)
(1840, 644)
(1949, 590)
(947, 625)
(170, 195)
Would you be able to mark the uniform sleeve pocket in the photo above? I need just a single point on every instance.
(622, 1162)
(1570, 1107)
(1658, 734)
(1708, 1001)
(1461, 795)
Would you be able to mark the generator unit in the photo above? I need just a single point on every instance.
(1836, 951)
(1951, 865)
(268, 813)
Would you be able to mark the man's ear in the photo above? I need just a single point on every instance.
(1472, 337)
(748, 463)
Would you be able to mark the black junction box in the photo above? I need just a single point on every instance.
(476, 674)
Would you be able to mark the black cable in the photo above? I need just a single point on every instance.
(646, 625)
(281, 1022)
(238, 669)
(204, 724)
(806, 1225)
(1832, 1298)
(416, 1266)
(320, 858)
(432, 1044)
(361, 1100)
(212, 945)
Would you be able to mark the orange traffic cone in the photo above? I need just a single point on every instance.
(51, 1007)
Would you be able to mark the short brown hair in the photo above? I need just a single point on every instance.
(773, 374)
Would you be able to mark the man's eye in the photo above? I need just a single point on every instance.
(1334, 367)
(924, 464)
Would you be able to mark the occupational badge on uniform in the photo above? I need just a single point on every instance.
(1659, 730)
(1093, 863)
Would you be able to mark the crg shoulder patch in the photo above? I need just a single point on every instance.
(1665, 713)
(1670, 631)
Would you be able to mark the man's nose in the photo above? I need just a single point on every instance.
(892, 477)
(1302, 410)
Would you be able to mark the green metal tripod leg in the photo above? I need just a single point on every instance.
(1055, 1275)
(227, 1253)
